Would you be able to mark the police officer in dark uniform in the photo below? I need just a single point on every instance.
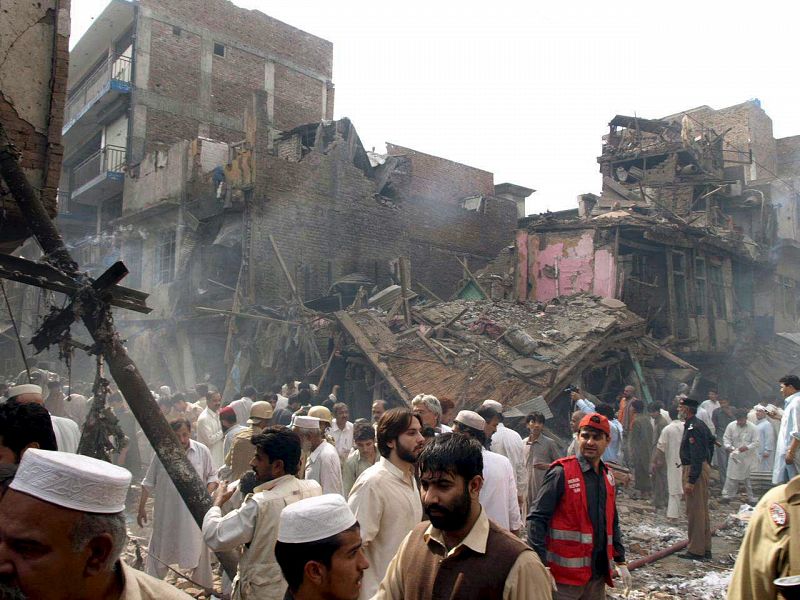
(696, 450)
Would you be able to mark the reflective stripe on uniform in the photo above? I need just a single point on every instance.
(570, 563)
(571, 536)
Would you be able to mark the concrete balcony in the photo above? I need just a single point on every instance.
(99, 177)
(104, 91)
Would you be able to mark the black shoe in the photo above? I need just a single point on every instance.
(707, 555)
(692, 556)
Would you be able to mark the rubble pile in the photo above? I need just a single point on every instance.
(473, 350)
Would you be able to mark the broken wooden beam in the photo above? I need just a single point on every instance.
(234, 313)
(437, 328)
(47, 277)
(405, 283)
(668, 355)
(443, 347)
(292, 286)
(473, 278)
(637, 368)
(56, 324)
(369, 350)
(394, 310)
(429, 292)
(97, 319)
(436, 352)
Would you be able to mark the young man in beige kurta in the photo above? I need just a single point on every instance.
(385, 498)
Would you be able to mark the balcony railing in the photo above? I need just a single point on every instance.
(108, 160)
(113, 71)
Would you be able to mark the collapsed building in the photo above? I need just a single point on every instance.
(467, 350)
(284, 217)
(695, 231)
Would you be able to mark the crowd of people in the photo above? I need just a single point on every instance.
(417, 502)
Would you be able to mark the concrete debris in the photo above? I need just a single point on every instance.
(473, 350)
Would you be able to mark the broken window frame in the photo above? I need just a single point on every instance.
(716, 279)
(164, 263)
(700, 287)
(679, 280)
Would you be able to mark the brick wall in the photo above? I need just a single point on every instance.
(328, 223)
(233, 78)
(442, 180)
(174, 63)
(165, 128)
(179, 30)
(788, 151)
(252, 28)
(298, 99)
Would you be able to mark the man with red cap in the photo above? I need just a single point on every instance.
(574, 525)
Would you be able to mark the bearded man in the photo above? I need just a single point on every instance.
(460, 553)
(385, 498)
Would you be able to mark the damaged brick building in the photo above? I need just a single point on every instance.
(695, 230)
(199, 139)
(332, 210)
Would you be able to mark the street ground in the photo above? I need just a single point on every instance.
(646, 531)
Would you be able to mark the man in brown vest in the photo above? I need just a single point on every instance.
(460, 553)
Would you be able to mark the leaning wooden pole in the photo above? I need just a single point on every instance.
(96, 316)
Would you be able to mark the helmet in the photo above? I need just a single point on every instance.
(322, 413)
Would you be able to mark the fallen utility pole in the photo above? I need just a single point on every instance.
(93, 309)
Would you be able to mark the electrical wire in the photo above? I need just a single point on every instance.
(16, 332)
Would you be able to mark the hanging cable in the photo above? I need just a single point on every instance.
(16, 332)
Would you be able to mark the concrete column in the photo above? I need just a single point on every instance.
(206, 64)
(269, 87)
(324, 100)
(138, 112)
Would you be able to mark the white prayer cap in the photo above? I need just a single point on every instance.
(27, 388)
(315, 518)
(492, 404)
(760, 407)
(305, 422)
(164, 391)
(772, 408)
(72, 481)
(471, 419)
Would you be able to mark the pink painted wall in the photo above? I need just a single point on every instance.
(580, 268)
(605, 273)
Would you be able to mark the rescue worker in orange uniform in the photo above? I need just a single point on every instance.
(574, 526)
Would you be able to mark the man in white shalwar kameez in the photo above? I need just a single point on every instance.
(740, 441)
(786, 457)
(766, 440)
(669, 442)
(176, 538)
(498, 496)
(510, 444)
(209, 429)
